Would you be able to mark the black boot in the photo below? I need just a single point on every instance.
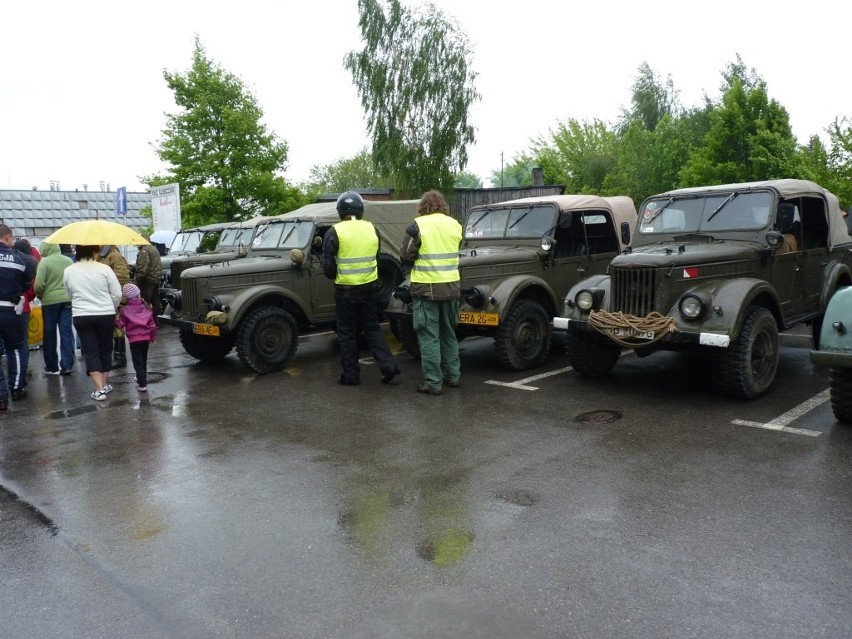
(119, 352)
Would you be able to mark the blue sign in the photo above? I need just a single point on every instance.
(121, 200)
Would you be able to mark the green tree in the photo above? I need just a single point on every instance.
(518, 172)
(467, 180)
(651, 100)
(749, 136)
(355, 172)
(831, 167)
(217, 149)
(416, 87)
(578, 154)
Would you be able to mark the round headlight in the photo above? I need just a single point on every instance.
(691, 307)
(475, 297)
(585, 300)
(546, 243)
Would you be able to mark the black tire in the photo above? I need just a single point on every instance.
(840, 383)
(591, 355)
(750, 363)
(403, 330)
(206, 349)
(390, 276)
(523, 337)
(267, 339)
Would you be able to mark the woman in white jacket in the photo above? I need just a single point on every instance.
(95, 295)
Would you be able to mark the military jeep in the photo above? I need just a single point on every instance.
(517, 261)
(718, 269)
(260, 303)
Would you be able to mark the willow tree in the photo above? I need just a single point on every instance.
(416, 85)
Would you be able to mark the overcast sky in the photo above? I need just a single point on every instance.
(82, 96)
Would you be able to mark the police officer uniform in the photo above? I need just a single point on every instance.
(16, 276)
(350, 258)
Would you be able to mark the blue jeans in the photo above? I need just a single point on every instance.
(57, 317)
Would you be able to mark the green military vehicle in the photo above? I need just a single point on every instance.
(191, 241)
(260, 303)
(719, 269)
(517, 261)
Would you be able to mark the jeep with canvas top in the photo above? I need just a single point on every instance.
(260, 303)
(517, 261)
(718, 269)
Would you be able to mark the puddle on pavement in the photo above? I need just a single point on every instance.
(446, 550)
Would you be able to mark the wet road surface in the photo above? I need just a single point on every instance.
(532, 504)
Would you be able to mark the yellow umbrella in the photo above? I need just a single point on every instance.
(96, 232)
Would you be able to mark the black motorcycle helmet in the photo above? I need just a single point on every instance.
(349, 204)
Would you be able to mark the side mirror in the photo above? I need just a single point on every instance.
(625, 233)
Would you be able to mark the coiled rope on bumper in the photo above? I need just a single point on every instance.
(660, 324)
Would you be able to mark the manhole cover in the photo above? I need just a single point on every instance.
(598, 417)
(128, 378)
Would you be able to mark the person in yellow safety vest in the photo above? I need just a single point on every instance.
(430, 251)
(350, 253)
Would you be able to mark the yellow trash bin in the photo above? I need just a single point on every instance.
(36, 328)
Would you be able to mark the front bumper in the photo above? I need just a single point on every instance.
(198, 328)
(679, 338)
(834, 359)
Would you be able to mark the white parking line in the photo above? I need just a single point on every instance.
(780, 423)
(521, 383)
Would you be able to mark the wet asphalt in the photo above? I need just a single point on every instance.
(223, 504)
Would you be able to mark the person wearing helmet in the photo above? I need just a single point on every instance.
(350, 253)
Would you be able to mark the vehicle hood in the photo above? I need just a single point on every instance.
(243, 266)
(667, 253)
(496, 255)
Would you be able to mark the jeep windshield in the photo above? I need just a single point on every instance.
(283, 235)
(522, 221)
(232, 238)
(186, 242)
(725, 211)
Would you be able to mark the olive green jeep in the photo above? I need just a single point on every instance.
(835, 351)
(517, 261)
(262, 302)
(718, 269)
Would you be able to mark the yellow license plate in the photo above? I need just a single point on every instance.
(205, 329)
(479, 319)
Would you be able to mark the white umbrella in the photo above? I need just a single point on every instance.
(163, 237)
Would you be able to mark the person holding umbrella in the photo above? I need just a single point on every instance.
(95, 295)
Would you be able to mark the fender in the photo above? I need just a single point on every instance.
(601, 281)
(512, 288)
(247, 300)
(733, 297)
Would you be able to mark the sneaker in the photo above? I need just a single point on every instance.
(452, 383)
(346, 381)
(142, 389)
(64, 371)
(107, 388)
(425, 388)
(19, 393)
(99, 395)
(47, 372)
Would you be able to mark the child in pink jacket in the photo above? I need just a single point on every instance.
(137, 320)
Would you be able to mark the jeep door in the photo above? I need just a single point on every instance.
(586, 242)
(322, 288)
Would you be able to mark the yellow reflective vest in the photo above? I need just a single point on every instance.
(356, 253)
(438, 257)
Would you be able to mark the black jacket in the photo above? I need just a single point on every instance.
(16, 274)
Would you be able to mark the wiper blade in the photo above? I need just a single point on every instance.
(480, 218)
(287, 237)
(521, 217)
(722, 205)
(658, 211)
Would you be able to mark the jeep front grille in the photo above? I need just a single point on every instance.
(190, 301)
(633, 290)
